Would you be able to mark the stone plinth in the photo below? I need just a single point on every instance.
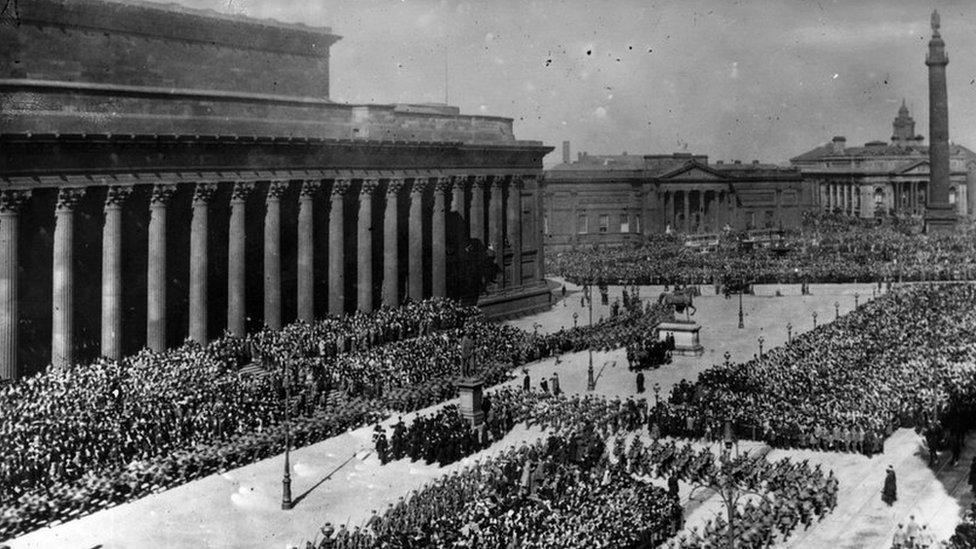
(686, 340)
(470, 389)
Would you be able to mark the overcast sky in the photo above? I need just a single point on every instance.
(754, 79)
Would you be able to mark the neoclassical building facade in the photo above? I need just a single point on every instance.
(885, 178)
(168, 174)
(614, 199)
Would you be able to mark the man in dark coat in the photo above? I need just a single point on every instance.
(526, 382)
(890, 492)
(640, 382)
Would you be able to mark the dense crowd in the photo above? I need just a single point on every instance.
(904, 360)
(826, 248)
(584, 486)
(80, 438)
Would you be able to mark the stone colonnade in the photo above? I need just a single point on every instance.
(907, 197)
(455, 228)
(697, 210)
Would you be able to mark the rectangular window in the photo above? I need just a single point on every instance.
(625, 223)
(583, 226)
(604, 223)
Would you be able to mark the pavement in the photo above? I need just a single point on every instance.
(340, 480)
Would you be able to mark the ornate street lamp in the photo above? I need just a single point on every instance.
(575, 319)
(789, 332)
(761, 341)
(590, 380)
(741, 324)
(814, 320)
(857, 298)
(286, 502)
(836, 310)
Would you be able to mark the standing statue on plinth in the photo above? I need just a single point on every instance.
(467, 356)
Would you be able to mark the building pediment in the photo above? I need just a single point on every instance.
(693, 171)
(915, 168)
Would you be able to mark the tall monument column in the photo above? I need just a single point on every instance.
(112, 272)
(364, 246)
(438, 237)
(198, 261)
(10, 204)
(306, 241)
(391, 259)
(515, 229)
(415, 233)
(235, 260)
(939, 214)
(62, 299)
(156, 276)
(272, 254)
(337, 241)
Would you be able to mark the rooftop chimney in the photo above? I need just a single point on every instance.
(737, 162)
(566, 158)
(838, 144)
(755, 162)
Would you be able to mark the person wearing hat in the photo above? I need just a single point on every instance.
(890, 492)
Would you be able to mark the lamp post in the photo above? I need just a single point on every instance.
(286, 502)
(857, 298)
(789, 332)
(575, 319)
(727, 356)
(761, 340)
(836, 310)
(814, 320)
(741, 324)
(590, 381)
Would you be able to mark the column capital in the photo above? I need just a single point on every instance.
(161, 194)
(116, 195)
(419, 185)
(11, 201)
(309, 188)
(393, 186)
(368, 187)
(276, 189)
(203, 192)
(479, 181)
(518, 182)
(68, 197)
(340, 187)
(444, 184)
(460, 181)
(498, 181)
(241, 191)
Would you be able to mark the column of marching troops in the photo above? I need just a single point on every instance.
(497, 236)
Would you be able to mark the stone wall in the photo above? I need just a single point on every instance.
(165, 46)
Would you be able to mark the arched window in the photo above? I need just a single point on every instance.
(879, 196)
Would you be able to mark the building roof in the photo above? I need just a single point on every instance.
(877, 149)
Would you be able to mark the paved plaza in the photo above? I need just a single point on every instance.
(340, 480)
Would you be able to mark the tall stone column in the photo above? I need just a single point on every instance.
(272, 254)
(701, 211)
(337, 241)
(913, 198)
(364, 247)
(199, 261)
(156, 276)
(112, 272)
(478, 209)
(62, 299)
(515, 229)
(236, 292)
(496, 218)
(668, 211)
(460, 230)
(939, 214)
(415, 230)
(391, 259)
(686, 206)
(10, 205)
(438, 237)
(306, 254)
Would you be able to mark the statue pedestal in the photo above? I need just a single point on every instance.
(686, 341)
(470, 389)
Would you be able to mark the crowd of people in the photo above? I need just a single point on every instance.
(826, 248)
(903, 360)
